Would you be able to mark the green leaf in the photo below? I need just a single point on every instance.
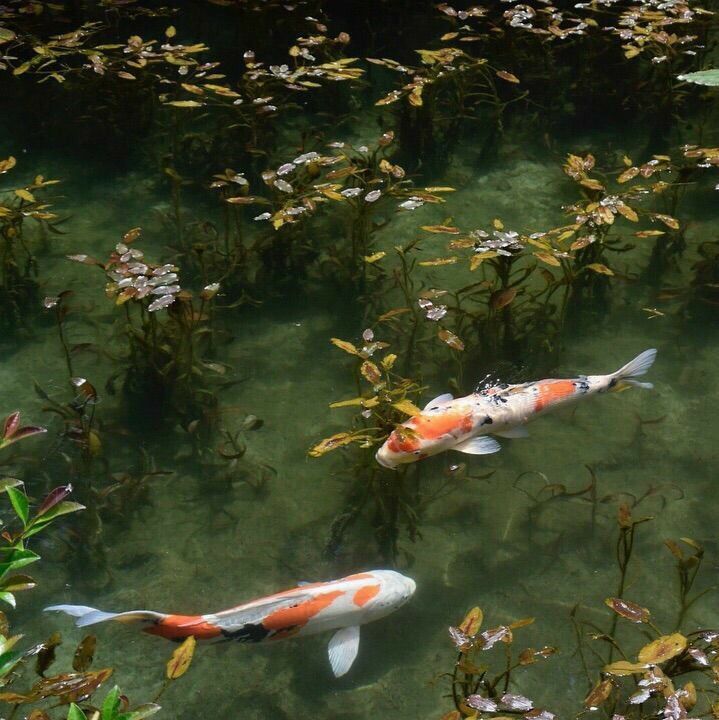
(140, 713)
(703, 77)
(20, 504)
(15, 558)
(8, 661)
(111, 704)
(75, 713)
(9, 598)
(40, 523)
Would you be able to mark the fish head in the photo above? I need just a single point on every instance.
(401, 447)
(391, 591)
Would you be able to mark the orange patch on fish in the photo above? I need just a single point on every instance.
(176, 627)
(552, 391)
(365, 594)
(360, 576)
(431, 427)
(301, 613)
(402, 442)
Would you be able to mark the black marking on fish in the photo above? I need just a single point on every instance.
(249, 633)
(487, 421)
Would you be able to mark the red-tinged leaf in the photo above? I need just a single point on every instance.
(501, 298)
(72, 687)
(180, 661)
(348, 347)
(451, 339)
(46, 653)
(28, 431)
(629, 610)
(472, 622)
(12, 423)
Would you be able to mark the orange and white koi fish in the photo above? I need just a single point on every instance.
(464, 424)
(341, 605)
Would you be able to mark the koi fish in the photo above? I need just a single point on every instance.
(341, 605)
(464, 424)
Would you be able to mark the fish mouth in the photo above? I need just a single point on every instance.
(384, 463)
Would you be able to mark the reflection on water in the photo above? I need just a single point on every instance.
(193, 513)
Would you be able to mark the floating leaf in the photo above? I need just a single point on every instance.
(370, 372)
(668, 220)
(598, 695)
(547, 258)
(451, 339)
(445, 229)
(348, 347)
(501, 298)
(439, 261)
(184, 103)
(182, 657)
(624, 667)
(472, 622)
(478, 258)
(331, 443)
(599, 268)
(374, 257)
(348, 403)
(629, 610)
(46, 653)
(7, 164)
(84, 653)
(508, 76)
(663, 648)
(628, 174)
(627, 212)
(25, 195)
(407, 407)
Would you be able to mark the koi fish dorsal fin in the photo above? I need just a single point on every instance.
(90, 616)
(439, 400)
(343, 649)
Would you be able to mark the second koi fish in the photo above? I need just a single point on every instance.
(341, 605)
(464, 424)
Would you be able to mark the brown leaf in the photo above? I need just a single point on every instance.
(46, 654)
(628, 174)
(84, 653)
(451, 339)
(668, 220)
(508, 76)
(629, 610)
(663, 648)
(180, 661)
(598, 695)
(331, 443)
(446, 229)
(501, 298)
(547, 258)
(370, 372)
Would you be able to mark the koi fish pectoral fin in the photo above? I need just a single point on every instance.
(90, 616)
(481, 445)
(516, 432)
(343, 648)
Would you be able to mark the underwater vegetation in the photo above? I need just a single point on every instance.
(277, 229)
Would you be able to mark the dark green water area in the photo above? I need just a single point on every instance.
(354, 206)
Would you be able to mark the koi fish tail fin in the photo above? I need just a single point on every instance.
(635, 368)
(90, 616)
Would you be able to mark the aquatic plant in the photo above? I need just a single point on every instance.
(165, 356)
(19, 288)
(672, 674)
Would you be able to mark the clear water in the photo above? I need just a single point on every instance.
(197, 542)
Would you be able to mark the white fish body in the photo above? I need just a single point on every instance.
(464, 424)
